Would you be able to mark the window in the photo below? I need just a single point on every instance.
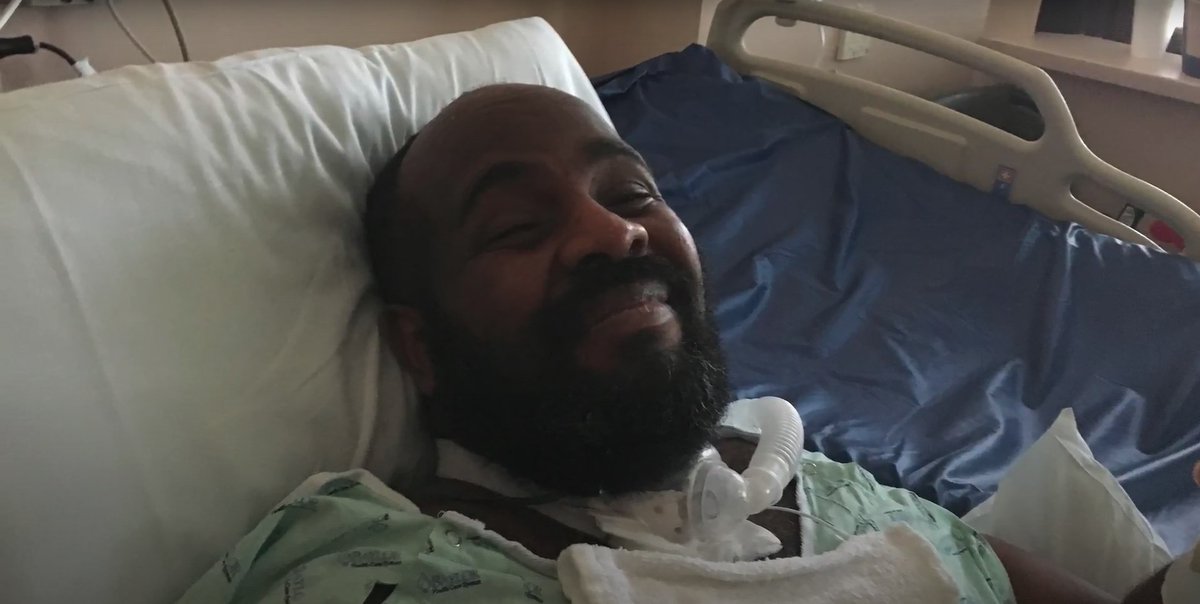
(1109, 19)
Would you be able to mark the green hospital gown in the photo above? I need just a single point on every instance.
(348, 539)
(849, 498)
(354, 542)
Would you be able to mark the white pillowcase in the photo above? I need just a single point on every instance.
(186, 325)
(1057, 501)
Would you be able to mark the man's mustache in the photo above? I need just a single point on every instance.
(564, 318)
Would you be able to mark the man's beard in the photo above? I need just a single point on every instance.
(565, 428)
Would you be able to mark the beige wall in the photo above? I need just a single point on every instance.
(1137, 132)
(1154, 138)
(888, 64)
(605, 35)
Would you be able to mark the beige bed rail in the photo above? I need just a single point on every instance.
(1040, 172)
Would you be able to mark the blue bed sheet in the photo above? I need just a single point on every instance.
(925, 330)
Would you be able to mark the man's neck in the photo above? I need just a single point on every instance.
(457, 463)
(478, 477)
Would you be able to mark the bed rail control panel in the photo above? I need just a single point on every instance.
(1040, 173)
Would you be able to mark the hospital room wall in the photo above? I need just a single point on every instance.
(604, 35)
(888, 64)
(1149, 136)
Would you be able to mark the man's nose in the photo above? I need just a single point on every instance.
(595, 230)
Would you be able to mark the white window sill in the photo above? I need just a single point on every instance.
(1103, 61)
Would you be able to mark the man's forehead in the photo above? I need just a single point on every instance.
(494, 125)
(512, 117)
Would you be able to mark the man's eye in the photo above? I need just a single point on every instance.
(635, 201)
(512, 233)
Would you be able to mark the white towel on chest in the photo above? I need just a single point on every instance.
(897, 566)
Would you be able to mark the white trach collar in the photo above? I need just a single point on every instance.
(457, 463)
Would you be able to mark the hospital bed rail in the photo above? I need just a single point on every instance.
(1039, 174)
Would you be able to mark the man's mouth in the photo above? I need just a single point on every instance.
(643, 303)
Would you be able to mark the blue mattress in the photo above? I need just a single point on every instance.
(925, 330)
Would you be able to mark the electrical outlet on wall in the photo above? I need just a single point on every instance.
(58, 2)
(853, 46)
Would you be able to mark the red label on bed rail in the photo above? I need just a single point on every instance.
(1165, 236)
(1153, 227)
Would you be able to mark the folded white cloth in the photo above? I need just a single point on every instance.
(897, 566)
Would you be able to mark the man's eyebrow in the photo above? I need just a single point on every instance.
(496, 174)
(594, 151)
(599, 149)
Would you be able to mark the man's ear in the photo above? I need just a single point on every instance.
(404, 330)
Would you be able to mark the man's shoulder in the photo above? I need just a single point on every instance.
(850, 501)
(339, 535)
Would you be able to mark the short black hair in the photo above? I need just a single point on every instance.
(396, 237)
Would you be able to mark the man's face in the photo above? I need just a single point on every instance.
(569, 322)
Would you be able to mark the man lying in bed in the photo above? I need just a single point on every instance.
(550, 307)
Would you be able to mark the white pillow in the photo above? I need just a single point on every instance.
(1057, 501)
(186, 325)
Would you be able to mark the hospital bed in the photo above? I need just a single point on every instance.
(868, 263)
(188, 328)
